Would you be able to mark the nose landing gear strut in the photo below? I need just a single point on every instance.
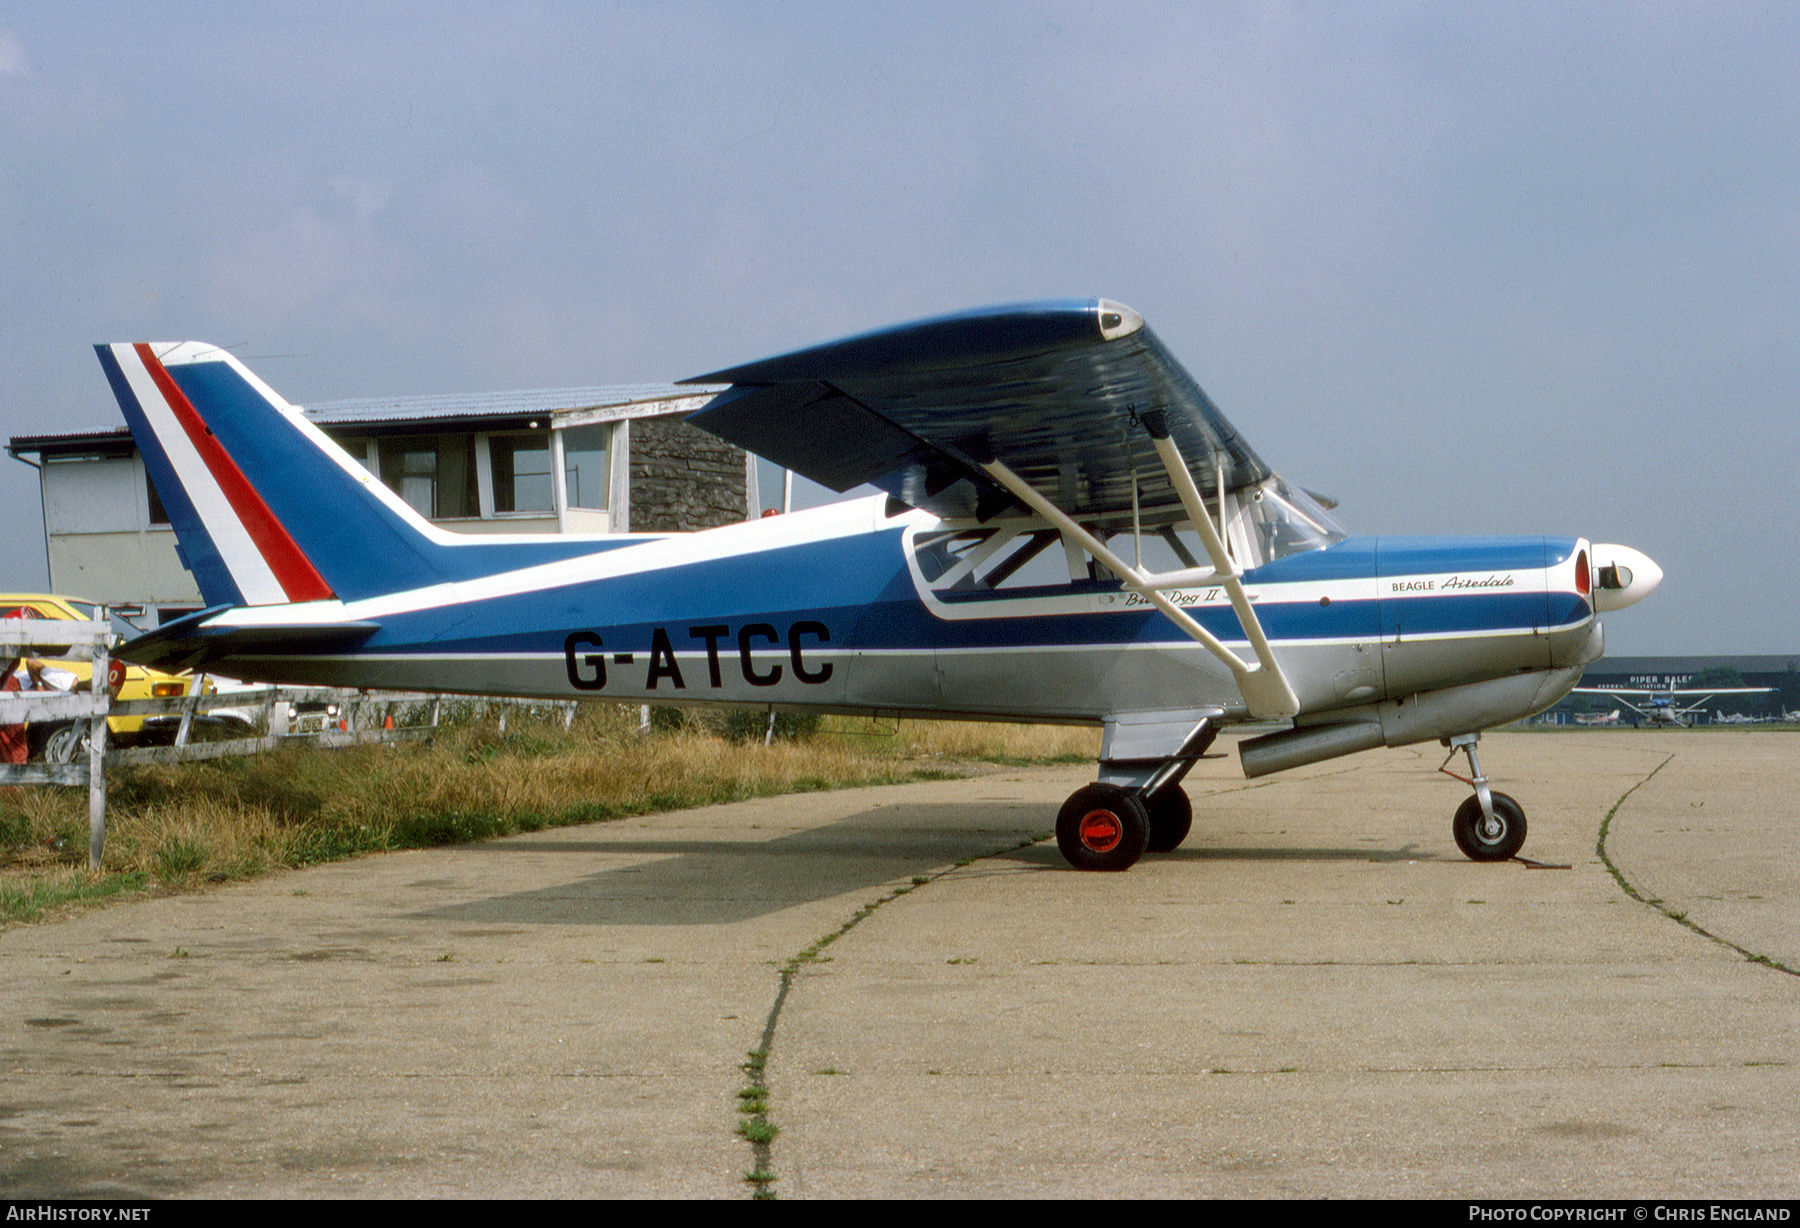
(1489, 826)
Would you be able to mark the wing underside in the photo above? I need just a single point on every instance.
(1057, 392)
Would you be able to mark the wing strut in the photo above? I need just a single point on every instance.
(1264, 687)
(1229, 576)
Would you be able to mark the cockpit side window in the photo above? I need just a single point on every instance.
(967, 561)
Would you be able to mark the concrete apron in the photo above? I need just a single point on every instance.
(1315, 996)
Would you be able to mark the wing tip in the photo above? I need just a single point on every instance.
(985, 332)
(1116, 319)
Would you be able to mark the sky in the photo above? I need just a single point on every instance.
(1505, 268)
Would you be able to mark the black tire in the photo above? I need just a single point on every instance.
(1171, 819)
(65, 744)
(1102, 827)
(1476, 846)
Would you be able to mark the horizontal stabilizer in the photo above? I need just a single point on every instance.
(190, 643)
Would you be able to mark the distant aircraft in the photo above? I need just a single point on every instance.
(1072, 532)
(1598, 718)
(1663, 707)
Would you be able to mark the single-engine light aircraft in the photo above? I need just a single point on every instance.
(1071, 532)
(1664, 707)
(1598, 718)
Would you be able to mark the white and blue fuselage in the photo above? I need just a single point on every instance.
(831, 609)
(1045, 553)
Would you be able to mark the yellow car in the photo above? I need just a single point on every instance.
(59, 743)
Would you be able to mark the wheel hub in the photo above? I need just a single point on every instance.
(1101, 830)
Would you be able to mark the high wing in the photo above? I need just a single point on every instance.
(1072, 410)
(1056, 391)
(1653, 692)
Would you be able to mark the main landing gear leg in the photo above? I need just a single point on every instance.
(1109, 826)
(1489, 826)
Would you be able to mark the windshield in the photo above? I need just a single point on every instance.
(1286, 520)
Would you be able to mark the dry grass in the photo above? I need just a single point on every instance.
(172, 825)
(972, 741)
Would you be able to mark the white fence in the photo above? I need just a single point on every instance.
(325, 716)
(85, 641)
(268, 716)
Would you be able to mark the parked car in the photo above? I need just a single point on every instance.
(60, 742)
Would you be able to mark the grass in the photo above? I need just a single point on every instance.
(32, 895)
(176, 826)
(754, 1126)
(971, 741)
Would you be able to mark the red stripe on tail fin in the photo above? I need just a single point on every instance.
(298, 578)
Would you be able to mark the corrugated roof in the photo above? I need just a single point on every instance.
(495, 404)
(451, 405)
(30, 443)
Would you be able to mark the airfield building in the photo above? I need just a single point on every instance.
(1780, 673)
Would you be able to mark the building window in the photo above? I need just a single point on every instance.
(521, 473)
(435, 474)
(359, 447)
(585, 465)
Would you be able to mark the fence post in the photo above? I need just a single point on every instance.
(196, 688)
(100, 682)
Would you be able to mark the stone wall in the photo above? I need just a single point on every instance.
(682, 478)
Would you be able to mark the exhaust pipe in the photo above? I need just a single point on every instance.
(1292, 748)
(1425, 717)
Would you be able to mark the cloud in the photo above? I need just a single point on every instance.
(327, 256)
(12, 55)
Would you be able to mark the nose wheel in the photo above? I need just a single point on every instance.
(1484, 839)
(1489, 826)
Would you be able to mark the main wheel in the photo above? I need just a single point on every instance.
(1479, 844)
(1102, 827)
(1171, 818)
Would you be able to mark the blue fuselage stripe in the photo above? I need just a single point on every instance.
(860, 589)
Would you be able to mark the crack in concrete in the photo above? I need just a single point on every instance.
(1680, 918)
(757, 1129)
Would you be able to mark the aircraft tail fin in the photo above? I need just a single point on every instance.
(267, 510)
